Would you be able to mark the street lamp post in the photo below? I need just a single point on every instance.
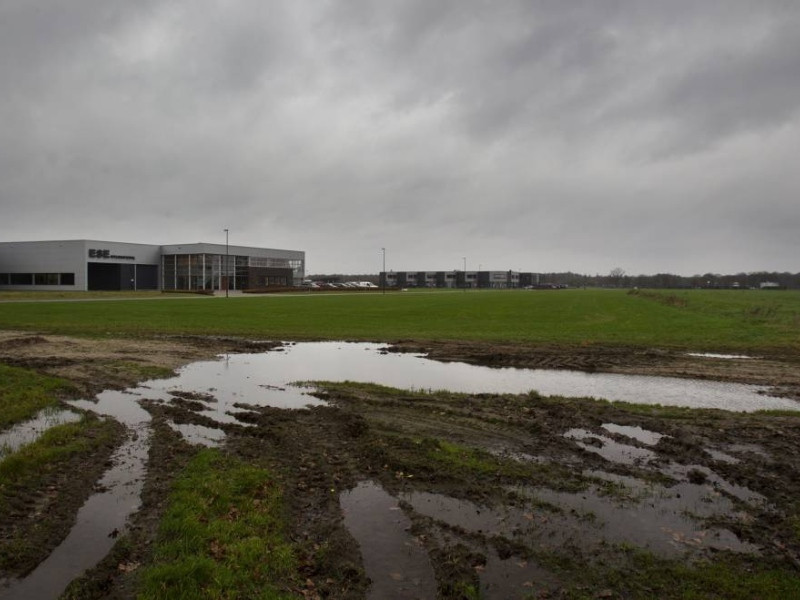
(227, 266)
(383, 279)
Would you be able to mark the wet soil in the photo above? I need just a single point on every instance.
(534, 509)
(115, 577)
(505, 458)
(42, 509)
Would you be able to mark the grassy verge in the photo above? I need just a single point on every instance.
(23, 393)
(749, 320)
(222, 535)
(41, 486)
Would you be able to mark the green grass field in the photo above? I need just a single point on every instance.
(698, 319)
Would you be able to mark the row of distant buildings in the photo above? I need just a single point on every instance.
(458, 279)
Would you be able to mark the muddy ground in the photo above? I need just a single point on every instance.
(508, 496)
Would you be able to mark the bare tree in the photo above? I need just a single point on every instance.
(616, 275)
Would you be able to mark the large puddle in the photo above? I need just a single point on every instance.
(219, 388)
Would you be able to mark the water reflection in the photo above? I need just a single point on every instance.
(609, 449)
(667, 521)
(198, 434)
(100, 520)
(645, 436)
(265, 379)
(394, 560)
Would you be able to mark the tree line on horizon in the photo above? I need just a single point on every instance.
(618, 278)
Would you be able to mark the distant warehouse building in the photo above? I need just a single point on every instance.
(103, 265)
(456, 279)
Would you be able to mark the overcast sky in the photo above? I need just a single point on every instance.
(537, 136)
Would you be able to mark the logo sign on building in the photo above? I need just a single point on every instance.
(105, 253)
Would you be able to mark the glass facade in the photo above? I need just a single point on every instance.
(218, 272)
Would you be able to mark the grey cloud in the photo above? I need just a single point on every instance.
(552, 135)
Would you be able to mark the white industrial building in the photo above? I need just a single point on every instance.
(104, 265)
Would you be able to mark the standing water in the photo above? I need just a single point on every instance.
(394, 560)
(266, 379)
(103, 516)
(28, 432)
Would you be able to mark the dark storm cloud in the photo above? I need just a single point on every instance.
(542, 135)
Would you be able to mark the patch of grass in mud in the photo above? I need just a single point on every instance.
(222, 535)
(139, 371)
(53, 447)
(468, 462)
(44, 483)
(23, 393)
(661, 411)
(729, 578)
(779, 413)
(793, 520)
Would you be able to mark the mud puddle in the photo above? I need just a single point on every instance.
(650, 438)
(721, 356)
(200, 435)
(395, 561)
(609, 449)
(625, 454)
(99, 522)
(668, 521)
(104, 515)
(28, 432)
(222, 389)
(722, 456)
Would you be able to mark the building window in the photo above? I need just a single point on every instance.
(21, 278)
(45, 278)
(3, 278)
(67, 278)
